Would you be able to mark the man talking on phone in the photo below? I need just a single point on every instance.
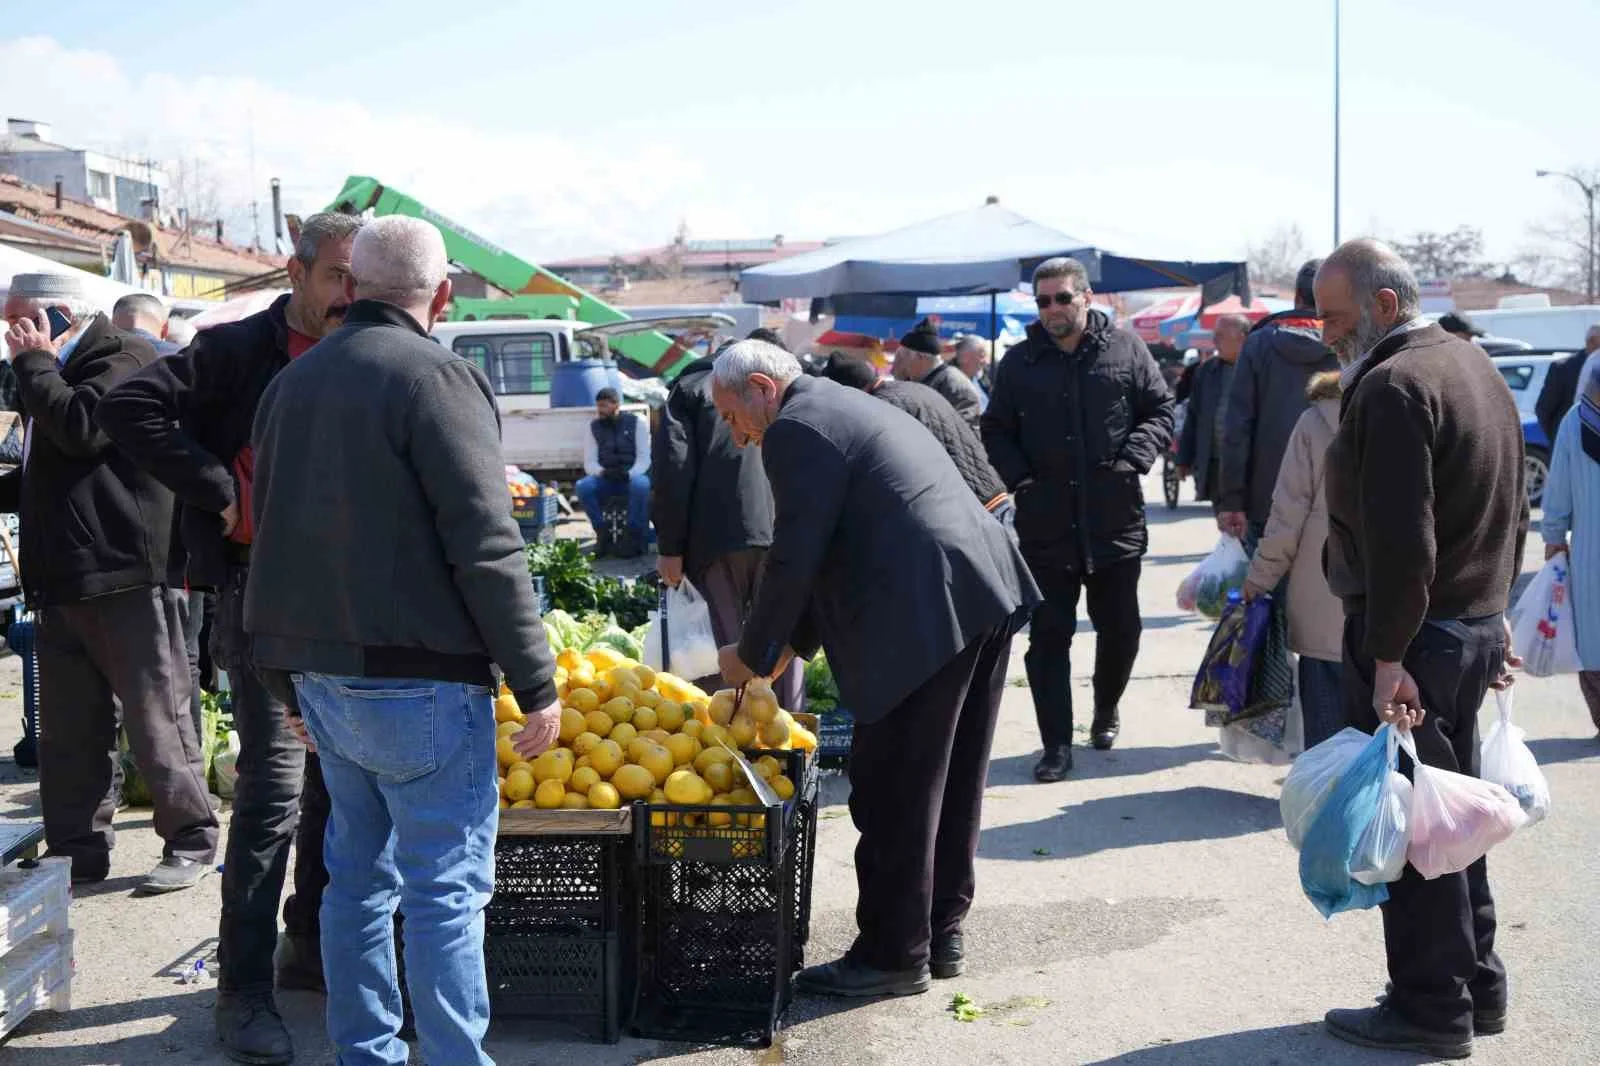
(95, 537)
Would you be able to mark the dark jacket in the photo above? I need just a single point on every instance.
(948, 381)
(615, 441)
(1560, 392)
(959, 440)
(185, 419)
(1070, 434)
(384, 542)
(710, 497)
(91, 521)
(879, 552)
(1197, 445)
(1427, 511)
(1280, 357)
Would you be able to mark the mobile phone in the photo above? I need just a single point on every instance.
(59, 322)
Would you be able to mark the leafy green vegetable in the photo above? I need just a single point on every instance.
(965, 1008)
(574, 587)
(820, 684)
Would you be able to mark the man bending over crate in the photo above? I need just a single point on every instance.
(882, 555)
(387, 575)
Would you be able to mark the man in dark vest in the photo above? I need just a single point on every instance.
(616, 455)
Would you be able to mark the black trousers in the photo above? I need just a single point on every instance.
(1439, 934)
(192, 613)
(279, 797)
(1113, 593)
(916, 795)
(108, 662)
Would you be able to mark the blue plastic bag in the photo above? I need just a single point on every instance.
(1331, 840)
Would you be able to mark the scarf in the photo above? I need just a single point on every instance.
(1589, 416)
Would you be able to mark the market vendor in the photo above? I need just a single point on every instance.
(616, 454)
(882, 555)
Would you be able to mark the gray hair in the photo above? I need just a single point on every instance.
(1062, 266)
(1238, 322)
(1593, 332)
(398, 260)
(972, 342)
(1372, 266)
(738, 361)
(321, 228)
(137, 305)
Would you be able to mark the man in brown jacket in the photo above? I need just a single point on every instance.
(1426, 521)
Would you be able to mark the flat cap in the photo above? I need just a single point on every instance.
(46, 287)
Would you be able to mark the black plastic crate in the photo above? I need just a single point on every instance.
(719, 941)
(672, 832)
(559, 931)
(536, 516)
(835, 730)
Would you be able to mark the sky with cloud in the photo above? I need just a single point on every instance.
(1161, 127)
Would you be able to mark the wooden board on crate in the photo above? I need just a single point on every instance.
(525, 822)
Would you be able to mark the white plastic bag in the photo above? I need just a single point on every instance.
(1312, 778)
(691, 640)
(1508, 762)
(1380, 855)
(1541, 623)
(1207, 586)
(1456, 819)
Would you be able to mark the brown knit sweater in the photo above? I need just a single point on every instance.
(1427, 511)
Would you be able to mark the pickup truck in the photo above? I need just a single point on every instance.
(519, 356)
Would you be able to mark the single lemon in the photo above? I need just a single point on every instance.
(606, 758)
(519, 785)
(572, 723)
(575, 801)
(683, 748)
(623, 734)
(582, 700)
(583, 779)
(585, 742)
(604, 797)
(599, 723)
(550, 795)
(719, 775)
(645, 719)
(669, 715)
(633, 782)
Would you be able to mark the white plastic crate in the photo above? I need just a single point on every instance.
(35, 975)
(34, 901)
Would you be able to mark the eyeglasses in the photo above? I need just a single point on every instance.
(1062, 299)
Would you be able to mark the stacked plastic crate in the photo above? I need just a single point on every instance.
(35, 940)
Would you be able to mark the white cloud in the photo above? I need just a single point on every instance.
(537, 194)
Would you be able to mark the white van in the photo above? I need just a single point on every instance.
(519, 356)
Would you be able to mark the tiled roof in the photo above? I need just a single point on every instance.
(174, 248)
(738, 254)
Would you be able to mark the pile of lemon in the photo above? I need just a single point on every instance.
(629, 733)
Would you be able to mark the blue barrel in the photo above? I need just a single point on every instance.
(575, 384)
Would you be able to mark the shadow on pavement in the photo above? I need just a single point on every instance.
(1164, 516)
(1285, 1045)
(1158, 560)
(1154, 621)
(1092, 765)
(1564, 749)
(109, 886)
(1139, 820)
(188, 1036)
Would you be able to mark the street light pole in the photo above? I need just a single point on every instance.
(1336, 35)
(1589, 189)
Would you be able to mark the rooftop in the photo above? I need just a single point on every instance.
(196, 251)
(736, 254)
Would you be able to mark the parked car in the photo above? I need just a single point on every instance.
(1525, 372)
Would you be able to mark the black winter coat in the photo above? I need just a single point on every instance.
(959, 440)
(1070, 435)
(185, 418)
(92, 521)
(709, 496)
(948, 381)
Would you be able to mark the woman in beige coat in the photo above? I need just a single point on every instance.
(1292, 546)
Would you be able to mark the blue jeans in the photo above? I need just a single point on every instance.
(1321, 699)
(591, 489)
(410, 769)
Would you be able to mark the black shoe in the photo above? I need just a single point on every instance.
(1382, 1027)
(250, 1030)
(1486, 1021)
(845, 977)
(1104, 729)
(298, 963)
(1055, 765)
(603, 545)
(173, 874)
(949, 957)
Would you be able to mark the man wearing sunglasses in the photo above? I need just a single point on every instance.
(1079, 412)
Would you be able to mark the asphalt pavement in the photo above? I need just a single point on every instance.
(1146, 911)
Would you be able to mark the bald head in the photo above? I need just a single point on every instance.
(140, 310)
(1364, 290)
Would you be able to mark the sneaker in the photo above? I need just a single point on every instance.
(173, 874)
(1382, 1027)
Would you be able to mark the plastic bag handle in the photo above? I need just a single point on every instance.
(1407, 743)
(661, 614)
(1502, 697)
